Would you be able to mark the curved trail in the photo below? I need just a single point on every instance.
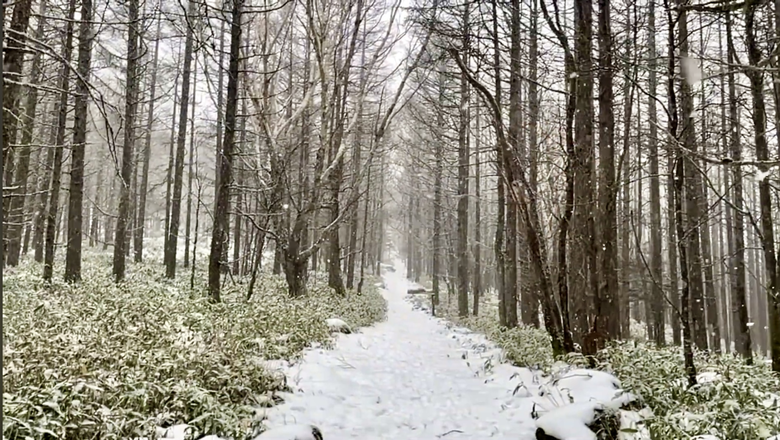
(408, 378)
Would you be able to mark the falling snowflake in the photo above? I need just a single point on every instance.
(691, 70)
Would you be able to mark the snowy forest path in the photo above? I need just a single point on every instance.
(408, 378)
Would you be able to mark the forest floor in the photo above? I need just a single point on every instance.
(419, 377)
(411, 377)
(95, 358)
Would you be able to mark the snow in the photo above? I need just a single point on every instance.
(291, 432)
(575, 398)
(177, 432)
(692, 71)
(413, 287)
(632, 425)
(338, 325)
(708, 377)
(569, 422)
(414, 377)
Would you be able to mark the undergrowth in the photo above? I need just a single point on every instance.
(733, 401)
(99, 360)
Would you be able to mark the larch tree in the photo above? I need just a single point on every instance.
(221, 217)
(128, 147)
(78, 148)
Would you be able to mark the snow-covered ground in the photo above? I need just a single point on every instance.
(414, 377)
(406, 378)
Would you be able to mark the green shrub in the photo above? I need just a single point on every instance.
(524, 346)
(732, 401)
(97, 360)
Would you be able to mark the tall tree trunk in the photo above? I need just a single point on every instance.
(18, 194)
(710, 299)
(739, 310)
(713, 323)
(220, 104)
(13, 65)
(476, 285)
(109, 208)
(463, 180)
(672, 246)
(353, 226)
(764, 189)
(607, 323)
(239, 216)
(437, 189)
(625, 233)
(501, 197)
(128, 157)
(530, 300)
(143, 190)
(335, 281)
(678, 177)
(656, 241)
(221, 219)
(582, 235)
(190, 173)
(56, 173)
(171, 159)
(693, 183)
(172, 240)
(515, 141)
(363, 250)
(45, 187)
(94, 226)
(76, 195)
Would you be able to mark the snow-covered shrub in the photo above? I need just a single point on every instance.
(579, 404)
(524, 346)
(97, 360)
(732, 401)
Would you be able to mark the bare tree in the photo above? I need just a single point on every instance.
(172, 237)
(128, 147)
(221, 217)
(81, 108)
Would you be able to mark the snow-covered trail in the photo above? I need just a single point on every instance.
(408, 378)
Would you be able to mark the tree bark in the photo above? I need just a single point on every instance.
(678, 177)
(221, 218)
(44, 188)
(56, 173)
(607, 323)
(190, 162)
(764, 189)
(739, 310)
(498, 246)
(656, 242)
(76, 195)
(583, 270)
(172, 239)
(16, 218)
(693, 197)
(476, 285)
(128, 156)
(530, 300)
(13, 66)
(463, 180)
(437, 190)
(143, 190)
